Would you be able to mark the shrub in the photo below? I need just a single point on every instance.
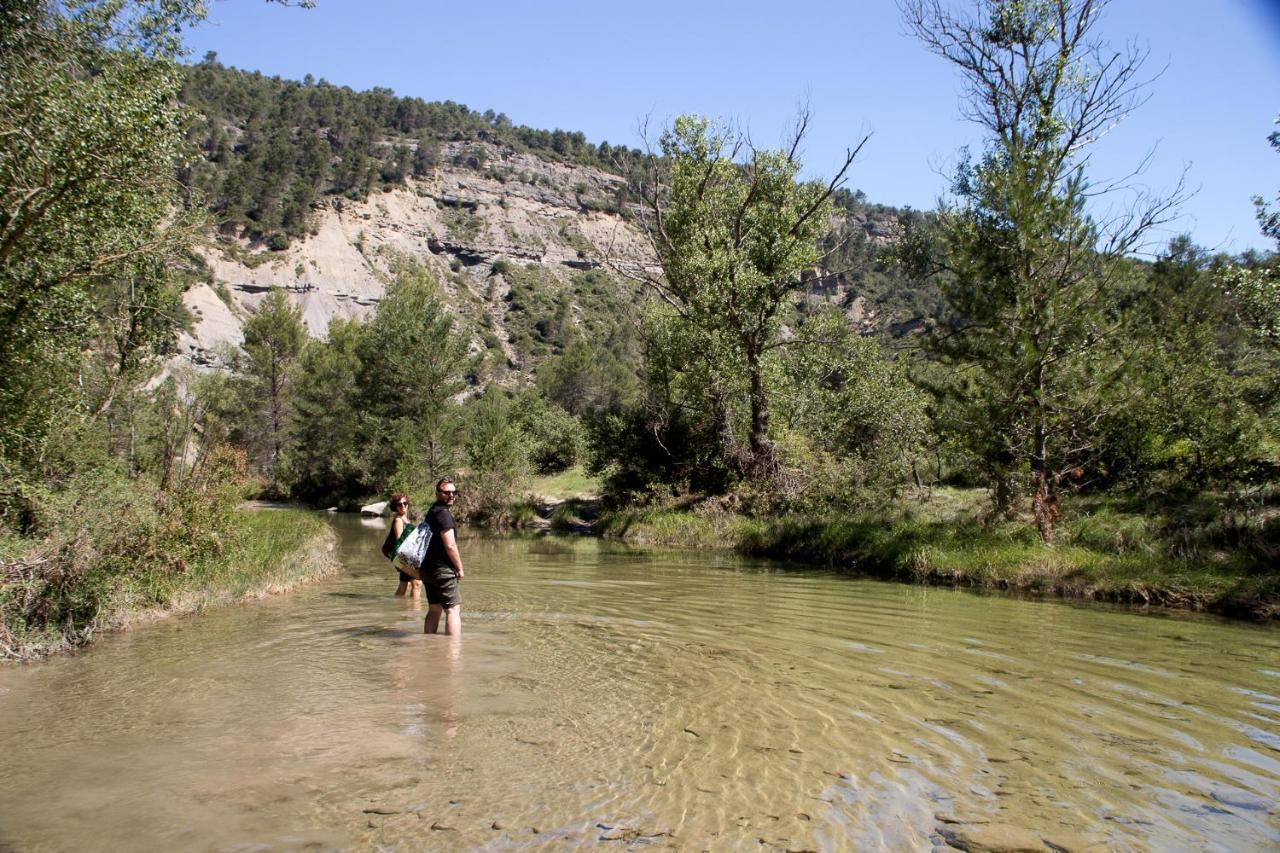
(555, 440)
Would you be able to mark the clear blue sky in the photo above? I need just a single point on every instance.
(599, 67)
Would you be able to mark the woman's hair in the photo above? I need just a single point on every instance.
(397, 497)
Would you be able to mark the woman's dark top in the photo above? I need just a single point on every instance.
(436, 563)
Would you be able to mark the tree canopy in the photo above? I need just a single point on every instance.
(1033, 279)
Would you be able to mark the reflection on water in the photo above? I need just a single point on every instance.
(653, 698)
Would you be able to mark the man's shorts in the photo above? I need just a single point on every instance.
(443, 591)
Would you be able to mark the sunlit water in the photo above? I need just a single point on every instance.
(608, 696)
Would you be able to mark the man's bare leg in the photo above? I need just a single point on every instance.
(453, 621)
(432, 623)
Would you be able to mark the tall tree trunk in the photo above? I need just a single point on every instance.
(762, 455)
(275, 414)
(1044, 503)
(166, 470)
(730, 450)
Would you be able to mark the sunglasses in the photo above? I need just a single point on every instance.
(449, 494)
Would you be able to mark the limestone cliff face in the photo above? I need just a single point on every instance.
(458, 223)
(477, 228)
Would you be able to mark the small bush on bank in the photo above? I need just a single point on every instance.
(107, 548)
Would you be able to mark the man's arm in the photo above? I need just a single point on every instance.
(451, 549)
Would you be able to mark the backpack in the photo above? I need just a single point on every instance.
(411, 548)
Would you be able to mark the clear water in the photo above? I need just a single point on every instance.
(648, 699)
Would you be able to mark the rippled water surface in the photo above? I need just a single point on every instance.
(602, 695)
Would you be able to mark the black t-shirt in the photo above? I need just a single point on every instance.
(439, 519)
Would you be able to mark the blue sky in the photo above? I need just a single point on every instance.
(600, 67)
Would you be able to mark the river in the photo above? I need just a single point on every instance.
(605, 695)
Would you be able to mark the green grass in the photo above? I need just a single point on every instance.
(53, 599)
(273, 551)
(1106, 551)
(570, 483)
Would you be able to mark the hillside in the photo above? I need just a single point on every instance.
(518, 226)
(508, 252)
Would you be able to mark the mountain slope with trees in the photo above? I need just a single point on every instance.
(217, 284)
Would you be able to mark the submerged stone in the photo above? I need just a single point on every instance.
(992, 838)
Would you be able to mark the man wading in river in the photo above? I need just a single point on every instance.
(442, 565)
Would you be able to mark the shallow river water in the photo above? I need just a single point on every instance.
(607, 696)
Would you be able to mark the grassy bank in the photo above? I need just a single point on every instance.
(63, 592)
(1181, 556)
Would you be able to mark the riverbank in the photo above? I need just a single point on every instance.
(60, 596)
(1107, 552)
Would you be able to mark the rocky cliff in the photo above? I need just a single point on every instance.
(519, 221)
(470, 228)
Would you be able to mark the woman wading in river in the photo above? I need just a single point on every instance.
(399, 505)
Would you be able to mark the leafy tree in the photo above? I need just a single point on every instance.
(1256, 291)
(412, 364)
(1033, 279)
(273, 339)
(1186, 405)
(587, 376)
(497, 464)
(90, 139)
(680, 433)
(554, 440)
(733, 238)
(1254, 286)
(862, 418)
(325, 462)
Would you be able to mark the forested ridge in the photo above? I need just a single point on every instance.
(272, 147)
(1004, 391)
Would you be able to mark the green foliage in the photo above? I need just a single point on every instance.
(373, 407)
(554, 440)
(412, 363)
(538, 315)
(102, 540)
(1110, 552)
(497, 464)
(1034, 284)
(733, 239)
(1255, 289)
(462, 224)
(1187, 413)
(130, 555)
(274, 149)
(668, 441)
(325, 463)
(1269, 216)
(865, 420)
(591, 374)
(273, 339)
(90, 138)
(871, 269)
